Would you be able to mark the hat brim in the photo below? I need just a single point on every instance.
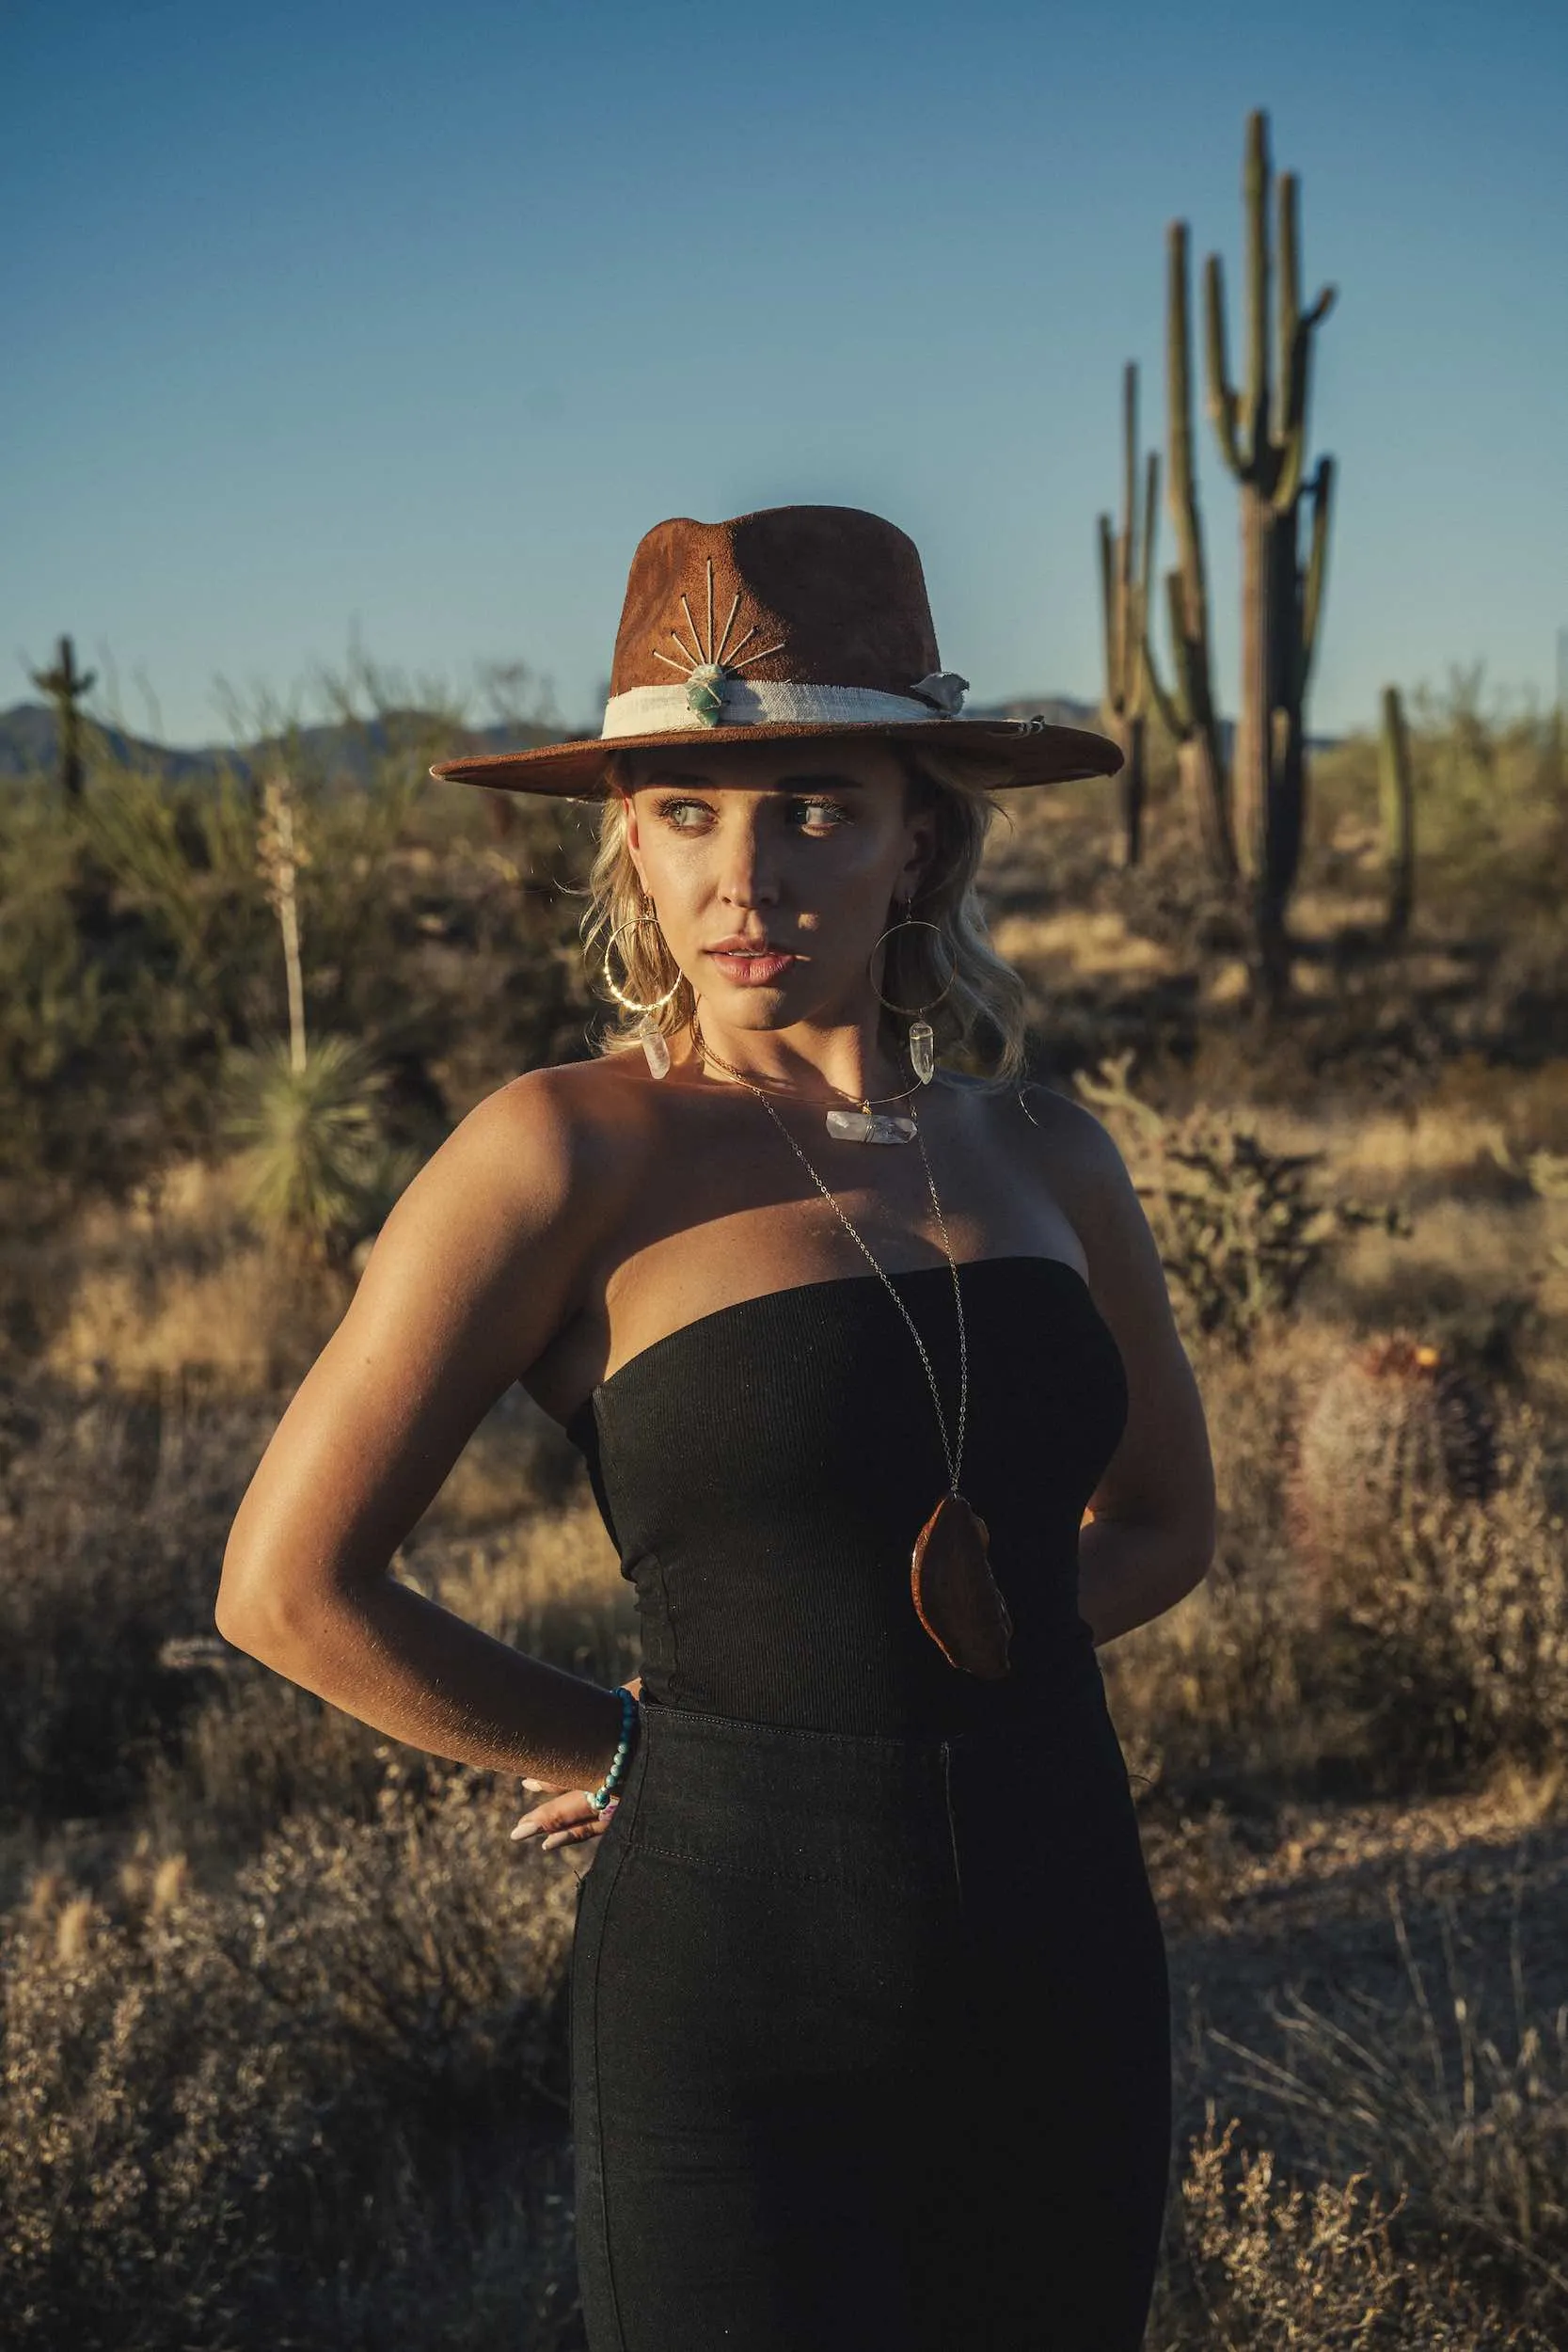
(574, 771)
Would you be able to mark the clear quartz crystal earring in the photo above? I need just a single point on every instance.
(649, 1035)
(922, 1039)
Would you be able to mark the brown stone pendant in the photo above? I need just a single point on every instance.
(957, 1598)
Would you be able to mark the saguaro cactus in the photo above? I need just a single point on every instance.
(1396, 793)
(65, 688)
(1262, 438)
(1188, 709)
(1126, 568)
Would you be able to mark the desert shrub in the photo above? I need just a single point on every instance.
(137, 953)
(1468, 2125)
(1447, 1633)
(1239, 1227)
(181, 859)
(171, 1298)
(60, 1031)
(1212, 1689)
(264, 2118)
(1527, 1108)
(252, 1750)
(1433, 1649)
(106, 1561)
(1212, 1692)
(551, 1586)
(316, 1164)
(1272, 2265)
(257, 1748)
(1494, 791)
(114, 1509)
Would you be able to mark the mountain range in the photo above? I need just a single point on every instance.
(347, 751)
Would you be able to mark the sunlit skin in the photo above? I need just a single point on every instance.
(805, 845)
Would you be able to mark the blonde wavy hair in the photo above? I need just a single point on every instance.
(981, 1018)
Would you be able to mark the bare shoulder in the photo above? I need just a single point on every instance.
(1075, 1152)
(519, 1167)
(479, 1265)
(1083, 1162)
(559, 1128)
(1070, 1124)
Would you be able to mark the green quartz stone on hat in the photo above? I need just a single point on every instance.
(704, 692)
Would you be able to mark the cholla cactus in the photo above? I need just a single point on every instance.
(1395, 1439)
(1238, 1225)
(280, 852)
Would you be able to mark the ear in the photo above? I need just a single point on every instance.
(633, 845)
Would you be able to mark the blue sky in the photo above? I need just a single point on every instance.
(399, 324)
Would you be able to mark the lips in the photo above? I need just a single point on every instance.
(750, 968)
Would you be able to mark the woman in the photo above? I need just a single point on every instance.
(870, 2024)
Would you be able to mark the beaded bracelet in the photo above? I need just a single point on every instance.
(610, 1785)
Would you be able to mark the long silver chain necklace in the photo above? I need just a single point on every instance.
(956, 1597)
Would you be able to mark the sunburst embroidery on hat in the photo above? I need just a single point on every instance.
(705, 669)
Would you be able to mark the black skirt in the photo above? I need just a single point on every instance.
(871, 2041)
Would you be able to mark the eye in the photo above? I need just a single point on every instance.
(667, 812)
(829, 814)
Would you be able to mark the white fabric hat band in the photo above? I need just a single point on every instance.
(668, 709)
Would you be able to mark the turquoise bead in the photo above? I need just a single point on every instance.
(609, 1786)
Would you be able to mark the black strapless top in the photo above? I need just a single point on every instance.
(764, 1471)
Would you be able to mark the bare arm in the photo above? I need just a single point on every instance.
(474, 1271)
(1152, 1535)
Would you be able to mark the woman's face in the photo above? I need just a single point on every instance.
(798, 851)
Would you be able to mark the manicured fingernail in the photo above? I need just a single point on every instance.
(526, 1829)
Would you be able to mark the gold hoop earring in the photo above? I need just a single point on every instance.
(922, 1039)
(647, 916)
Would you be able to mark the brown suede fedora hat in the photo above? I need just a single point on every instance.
(794, 621)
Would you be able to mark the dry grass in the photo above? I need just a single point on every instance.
(1376, 1993)
(170, 1288)
(1274, 2267)
(1089, 943)
(326, 2106)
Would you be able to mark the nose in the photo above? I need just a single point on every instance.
(746, 874)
